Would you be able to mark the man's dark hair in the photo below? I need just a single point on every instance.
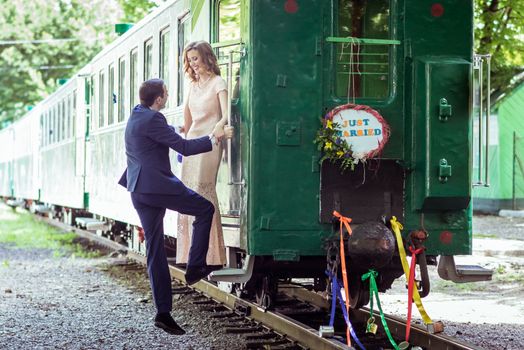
(150, 90)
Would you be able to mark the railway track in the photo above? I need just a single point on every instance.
(294, 322)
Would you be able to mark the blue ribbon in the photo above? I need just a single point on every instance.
(335, 292)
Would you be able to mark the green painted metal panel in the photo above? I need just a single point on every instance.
(284, 114)
(442, 175)
(291, 90)
(448, 37)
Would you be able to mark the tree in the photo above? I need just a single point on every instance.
(499, 30)
(135, 10)
(29, 71)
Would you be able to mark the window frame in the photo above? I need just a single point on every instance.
(148, 59)
(182, 41)
(101, 99)
(390, 42)
(133, 79)
(111, 94)
(121, 97)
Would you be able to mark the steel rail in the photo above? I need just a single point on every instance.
(281, 324)
(418, 336)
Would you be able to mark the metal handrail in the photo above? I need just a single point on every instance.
(364, 41)
(483, 136)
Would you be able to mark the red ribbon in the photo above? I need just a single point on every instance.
(411, 282)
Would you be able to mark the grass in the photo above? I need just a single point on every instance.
(484, 235)
(21, 230)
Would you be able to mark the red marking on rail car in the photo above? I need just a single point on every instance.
(291, 6)
(437, 10)
(446, 237)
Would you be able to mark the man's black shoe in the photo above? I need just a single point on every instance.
(195, 274)
(166, 322)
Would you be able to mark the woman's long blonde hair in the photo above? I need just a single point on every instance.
(207, 55)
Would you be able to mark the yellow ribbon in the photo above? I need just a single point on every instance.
(396, 227)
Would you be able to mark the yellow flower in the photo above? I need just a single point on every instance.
(340, 154)
(329, 125)
(327, 146)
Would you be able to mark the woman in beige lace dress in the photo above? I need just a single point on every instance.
(205, 112)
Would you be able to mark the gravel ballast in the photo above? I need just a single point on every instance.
(59, 301)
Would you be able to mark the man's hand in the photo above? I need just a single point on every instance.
(218, 132)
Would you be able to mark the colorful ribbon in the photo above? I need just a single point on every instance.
(344, 221)
(336, 293)
(396, 227)
(373, 290)
(411, 282)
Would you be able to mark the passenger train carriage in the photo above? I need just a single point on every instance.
(287, 64)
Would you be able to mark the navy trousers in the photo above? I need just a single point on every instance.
(151, 209)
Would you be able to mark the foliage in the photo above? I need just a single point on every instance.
(135, 10)
(333, 146)
(29, 71)
(499, 30)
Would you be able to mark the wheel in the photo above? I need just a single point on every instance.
(266, 291)
(358, 293)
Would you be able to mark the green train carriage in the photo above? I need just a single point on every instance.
(414, 68)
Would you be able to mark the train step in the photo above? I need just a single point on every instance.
(13, 203)
(461, 273)
(41, 209)
(91, 224)
(235, 275)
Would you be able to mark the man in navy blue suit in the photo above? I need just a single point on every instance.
(154, 188)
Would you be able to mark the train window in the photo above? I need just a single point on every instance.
(227, 28)
(227, 37)
(92, 117)
(49, 126)
(65, 124)
(164, 56)
(183, 39)
(133, 77)
(54, 132)
(101, 99)
(44, 129)
(148, 59)
(228, 20)
(362, 67)
(69, 115)
(60, 129)
(121, 89)
(73, 108)
(111, 96)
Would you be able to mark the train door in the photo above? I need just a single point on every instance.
(362, 53)
(227, 43)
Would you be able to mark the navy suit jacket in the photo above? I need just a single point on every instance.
(148, 138)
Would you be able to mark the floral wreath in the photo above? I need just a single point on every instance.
(334, 146)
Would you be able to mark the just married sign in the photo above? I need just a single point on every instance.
(363, 128)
